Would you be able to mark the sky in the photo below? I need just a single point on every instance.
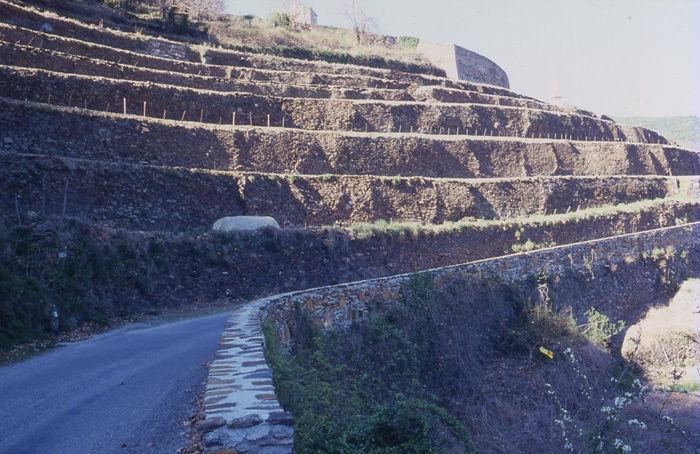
(617, 57)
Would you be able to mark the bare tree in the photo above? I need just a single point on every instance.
(361, 23)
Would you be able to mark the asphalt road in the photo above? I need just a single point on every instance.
(125, 391)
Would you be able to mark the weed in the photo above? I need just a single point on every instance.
(530, 245)
(599, 329)
(538, 323)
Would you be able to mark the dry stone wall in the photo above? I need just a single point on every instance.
(335, 307)
(156, 198)
(53, 130)
(29, 57)
(75, 47)
(295, 85)
(213, 107)
(28, 18)
(27, 37)
(33, 19)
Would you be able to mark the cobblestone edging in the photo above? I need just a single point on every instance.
(240, 407)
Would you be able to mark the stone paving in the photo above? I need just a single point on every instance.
(240, 406)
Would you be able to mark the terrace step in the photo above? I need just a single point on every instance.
(157, 198)
(33, 19)
(49, 42)
(72, 132)
(78, 47)
(391, 116)
(14, 54)
(28, 57)
(428, 93)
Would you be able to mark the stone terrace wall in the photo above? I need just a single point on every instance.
(30, 57)
(14, 54)
(335, 307)
(215, 107)
(35, 128)
(152, 198)
(293, 84)
(29, 18)
(71, 46)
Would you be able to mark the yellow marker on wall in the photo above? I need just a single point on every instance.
(548, 353)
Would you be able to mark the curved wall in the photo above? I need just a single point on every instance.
(460, 63)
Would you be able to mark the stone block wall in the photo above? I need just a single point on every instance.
(29, 18)
(246, 418)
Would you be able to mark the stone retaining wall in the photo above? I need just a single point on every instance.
(335, 307)
(392, 116)
(72, 46)
(30, 18)
(29, 57)
(76, 47)
(14, 54)
(33, 19)
(152, 198)
(71, 132)
(460, 63)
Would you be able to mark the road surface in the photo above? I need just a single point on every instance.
(125, 391)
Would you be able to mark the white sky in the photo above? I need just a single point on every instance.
(619, 57)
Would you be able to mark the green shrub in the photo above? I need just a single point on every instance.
(599, 329)
(408, 41)
(538, 323)
(281, 20)
(66, 265)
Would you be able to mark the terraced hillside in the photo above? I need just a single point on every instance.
(144, 143)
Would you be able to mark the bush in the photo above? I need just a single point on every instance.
(410, 42)
(538, 323)
(599, 329)
(282, 20)
(67, 266)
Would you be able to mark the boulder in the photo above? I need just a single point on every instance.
(244, 223)
(666, 342)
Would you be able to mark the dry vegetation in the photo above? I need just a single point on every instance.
(264, 33)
